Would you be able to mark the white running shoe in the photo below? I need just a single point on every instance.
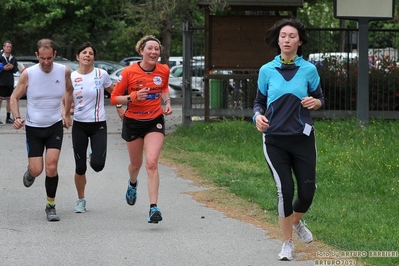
(287, 251)
(303, 233)
(80, 206)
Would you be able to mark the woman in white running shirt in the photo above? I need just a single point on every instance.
(89, 122)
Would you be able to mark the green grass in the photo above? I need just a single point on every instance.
(357, 198)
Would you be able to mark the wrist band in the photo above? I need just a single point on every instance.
(166, 101)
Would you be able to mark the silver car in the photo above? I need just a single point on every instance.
(197, 79)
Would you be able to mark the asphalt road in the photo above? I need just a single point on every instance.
(112, 232)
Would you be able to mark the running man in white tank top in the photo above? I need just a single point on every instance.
(43, 107)
(89, 84)
(46, 86)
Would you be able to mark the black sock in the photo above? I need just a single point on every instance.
(133, 185)
(51, 184)
(153, 205)
(8, 115)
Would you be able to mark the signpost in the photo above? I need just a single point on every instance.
(363, 11)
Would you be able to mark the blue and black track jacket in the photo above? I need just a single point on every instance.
(281, 88)
(7, 76)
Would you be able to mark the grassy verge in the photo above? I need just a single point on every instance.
(356, 204)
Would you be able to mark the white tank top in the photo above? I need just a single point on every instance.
(44, 95)
(88, 95)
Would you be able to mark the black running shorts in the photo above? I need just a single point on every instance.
(38, 138)
(133, 129)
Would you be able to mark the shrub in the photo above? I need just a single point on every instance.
(339, 83)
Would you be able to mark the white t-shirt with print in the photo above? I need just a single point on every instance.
(88, 95)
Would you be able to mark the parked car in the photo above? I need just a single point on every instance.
(22, 65)
(197, 80)
(126, 61)
(174, 61)
(317, 58)
(33, 58)
(133, 62)
(115, 75)
(73, 65)
(109, 66)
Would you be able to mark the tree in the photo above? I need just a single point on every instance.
(162, 18)
(318, 14)
(68, 22)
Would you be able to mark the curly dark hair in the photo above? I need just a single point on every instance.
(272, 34)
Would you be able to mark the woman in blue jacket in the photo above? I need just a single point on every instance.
(288, 88)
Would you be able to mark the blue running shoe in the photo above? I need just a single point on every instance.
(131, 194)
(155, 215)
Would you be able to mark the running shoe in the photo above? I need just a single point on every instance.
(10, 121)
(80, 206)
(51, 213)
(131, 194)
(155, 215)
(28, 179)
(287, 251)
(303, 233)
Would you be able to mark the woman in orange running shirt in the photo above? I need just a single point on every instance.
(143, 86)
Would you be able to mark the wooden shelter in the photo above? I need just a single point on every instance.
(236, 42)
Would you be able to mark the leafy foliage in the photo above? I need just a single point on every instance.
(112, 26)
(339, 83)
(115, 26)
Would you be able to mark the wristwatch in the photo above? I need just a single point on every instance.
(118, 106)
(128, 99)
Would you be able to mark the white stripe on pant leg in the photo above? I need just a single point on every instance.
(280, 204)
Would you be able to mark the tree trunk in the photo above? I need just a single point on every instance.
(166, 41)
(342, 37)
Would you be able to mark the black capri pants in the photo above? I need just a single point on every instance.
(97, 133)
(287, 155)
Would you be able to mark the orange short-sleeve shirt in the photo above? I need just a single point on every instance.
(132, 79)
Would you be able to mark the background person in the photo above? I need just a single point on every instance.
(10, 66)
(143, 86)
(89, 118)
(45, 85)
(288, 87)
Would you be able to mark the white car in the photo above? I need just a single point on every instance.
(114, 76)
(318, 58)
(197, 79)
(22, 65)
(173, 61)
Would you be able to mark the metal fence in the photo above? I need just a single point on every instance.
(339, 73)
(231, 93)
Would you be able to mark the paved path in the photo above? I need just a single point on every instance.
(112, 232)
